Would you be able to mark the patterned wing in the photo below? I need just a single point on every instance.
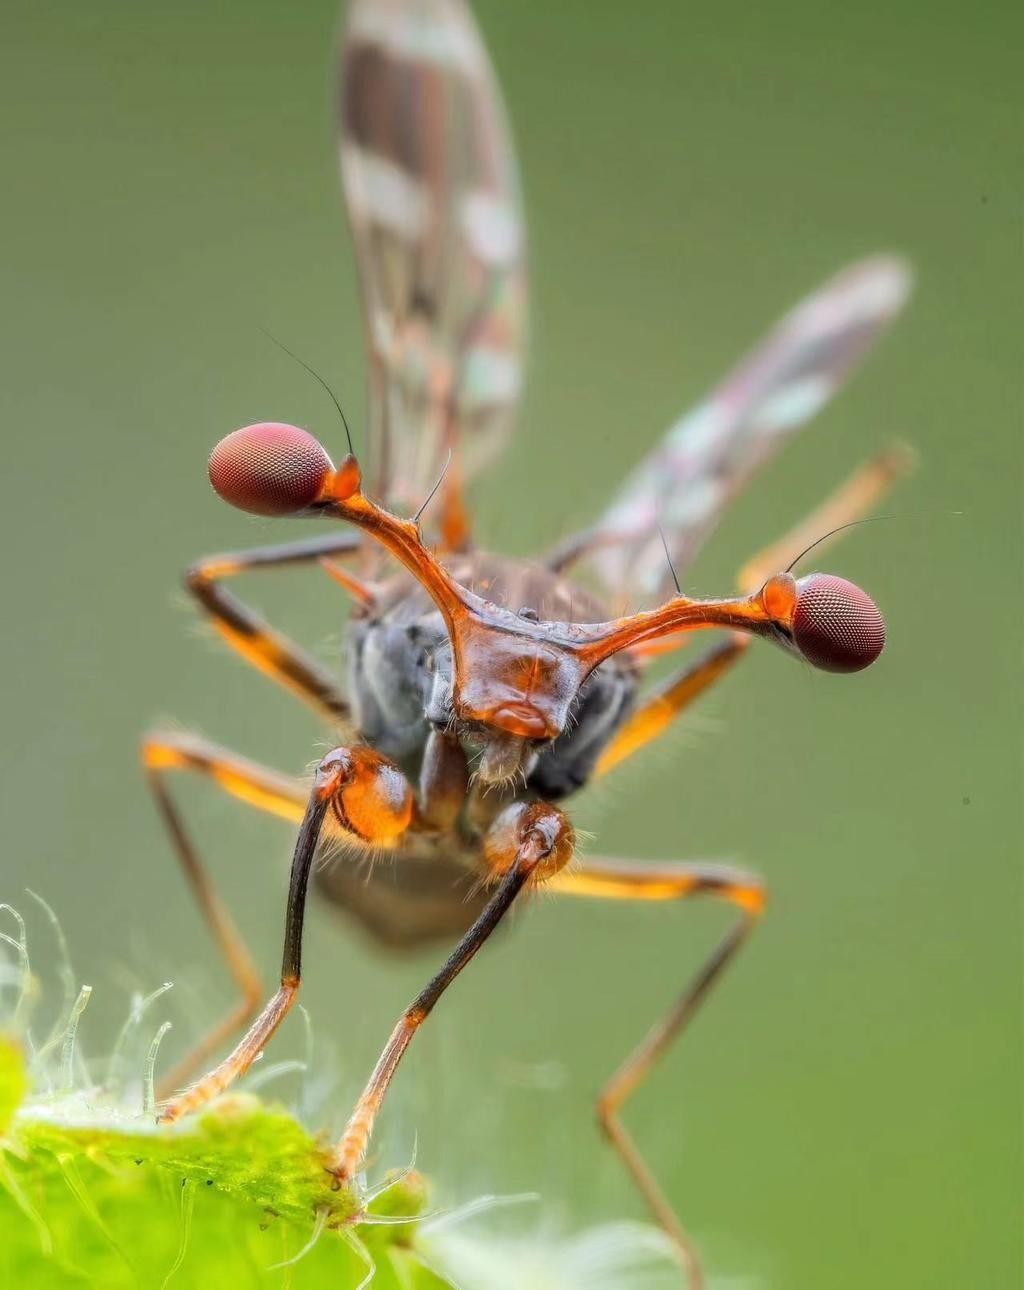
(711, 452)
(433, 198)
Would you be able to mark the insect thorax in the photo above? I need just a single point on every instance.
(400, 671)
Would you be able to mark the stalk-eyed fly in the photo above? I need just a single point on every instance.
(481, 691)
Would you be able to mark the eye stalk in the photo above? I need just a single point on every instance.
(836, 626)
(511, 672)
(270, 469)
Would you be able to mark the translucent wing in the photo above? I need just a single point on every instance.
(711, 452)
(433, 198)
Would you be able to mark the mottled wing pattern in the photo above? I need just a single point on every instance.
(711, 452)
(433, 198)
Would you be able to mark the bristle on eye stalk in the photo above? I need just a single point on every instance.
(269, 469)
(836, 626)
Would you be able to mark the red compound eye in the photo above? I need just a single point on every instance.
(269, 469)
(835, 625)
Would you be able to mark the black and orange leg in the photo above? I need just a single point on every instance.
(254, 784)
(368, 800)
(661, 707)
(525, 842)
(622, 880)
(270, 652)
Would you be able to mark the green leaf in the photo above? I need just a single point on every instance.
(95, 1193)
(90, 1196)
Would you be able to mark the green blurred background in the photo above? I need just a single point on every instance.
(847, 1113)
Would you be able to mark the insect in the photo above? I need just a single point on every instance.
(482, 692)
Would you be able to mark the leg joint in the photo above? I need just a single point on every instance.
(195, 578)
(604, 1109)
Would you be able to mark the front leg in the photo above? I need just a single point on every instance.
(369, 799)
(170, 752)
(525, 842)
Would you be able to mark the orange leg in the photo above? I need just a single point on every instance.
(525, 841)
(259, 786)
(851, 501)
(259, 644)
(624, 880)
(666, 702)
(370, 802)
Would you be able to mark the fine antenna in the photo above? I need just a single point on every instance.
(668, 557)
(868, 519)
(316, 376)
(430, 496)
